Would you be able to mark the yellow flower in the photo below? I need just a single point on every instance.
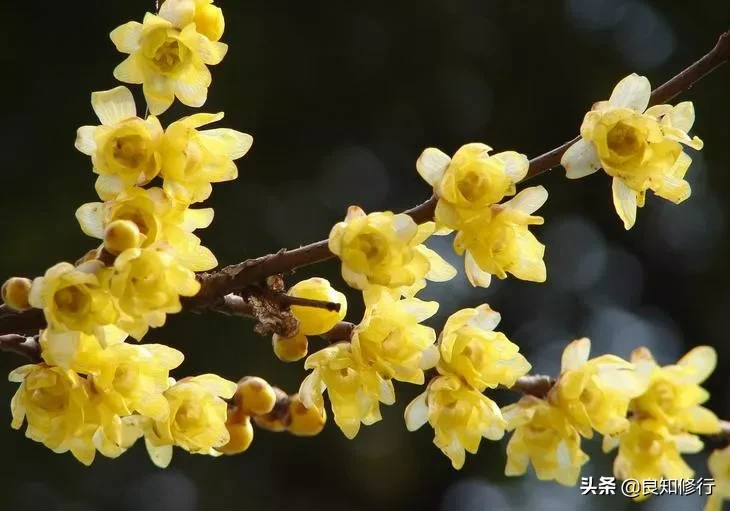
(313, 320)
(646, 455)
(383, 249)
(124, 150)
(72, 297)
(459, 415)
(498, 242)
(76, 350)
(355, 391)
(470, 349)
(544, 436)
(207, 17)
(639, 147)
(470, 182)
(52, 401)
(719, 463)
(255, 396)
(194, 159)
(197, 419)
(390, 339)
(148, 284)
(671, 404)
(595, 394)
(163, 223)
(305, 421)
(169, 62)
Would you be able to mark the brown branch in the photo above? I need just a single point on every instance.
(665, 92)
(27, 347)
(342, 331)
(537, 385)
(241, 276)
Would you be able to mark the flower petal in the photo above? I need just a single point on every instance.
(529, 200)
(114, 105)
(91, 219)
(515, 164)
(432, 164)
(126, 37)
(624, 200)
(575, 354)
(416, 414)
(631, 92)
(476, 276)
(702, 360)
(85, 139)
(580, 160)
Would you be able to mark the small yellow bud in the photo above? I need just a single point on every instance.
(121, 235)
(290, 349)
(15, 293)
(241, 434)
(305, 421)
(313, 320)
(279, 418)
(255, 396)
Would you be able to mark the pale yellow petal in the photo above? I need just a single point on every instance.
(575, 354)
(161, 455)
(439, 270)
(108, 187)
(91, 219)
(515, 164)
(234, 143)
(701, 360)
(129, 71)
(85, 141)
(529, 200)
(126, 37)
(624, 200)
(114, 105)
(682, 116)
(416, 414)
(476, 276)
(580, 160)
(432, 164)
(632, 92)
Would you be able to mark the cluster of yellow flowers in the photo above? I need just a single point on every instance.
(93, 391)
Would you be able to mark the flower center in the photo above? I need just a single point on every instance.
(71, 299)
(125, 378)
(48, 400)
(168, 56)
(472, 186)
(624, 139)
(374, 247)
(188, 415)
(130, 151)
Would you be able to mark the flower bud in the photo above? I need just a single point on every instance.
(279, 418)
(255, 396)
(290, 349)
(305, 421)
(121, 235)
(314, 320)
(241, 434)
(15, 292)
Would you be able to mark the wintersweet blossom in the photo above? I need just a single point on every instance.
(192, 159)
(355, 390)
(544, 436)
(72, 298)
(595, 394)
(498, 241)
(163, 223)
(125, 149)
(391, 340)
(459, 415)
(169, 62)
(472, 350)
(197, 418)
(385, 249)
(471, 181)
(640, 148)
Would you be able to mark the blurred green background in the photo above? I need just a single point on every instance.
(341, 98)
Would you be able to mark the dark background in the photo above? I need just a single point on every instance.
(341, 98)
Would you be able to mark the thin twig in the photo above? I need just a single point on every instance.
(27, 347)
(537, 385)
(288, 301)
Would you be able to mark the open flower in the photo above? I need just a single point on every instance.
(169, 62)
(640, 148)
(459, 415)
(147, 284)
(355, 390)
(124, 150)
(471, 349)
(207, 17)
(72, 298)
(163, 224)
(498, 241)
(384, 249)
(197, 418)
(391, 339)
(471, 181)
(193, 159)
(595, 393)
(544, 436)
